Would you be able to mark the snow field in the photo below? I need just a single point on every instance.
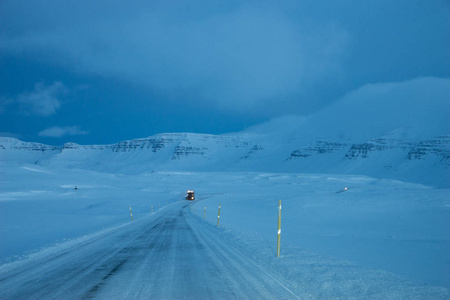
(337, 242)
(379, 224)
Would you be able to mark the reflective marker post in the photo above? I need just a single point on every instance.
(218, 216)
(204, 212)
(131, 214)
(279, 228)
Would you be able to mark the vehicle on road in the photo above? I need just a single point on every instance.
(190, 195)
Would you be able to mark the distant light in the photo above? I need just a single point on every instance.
(345, 189)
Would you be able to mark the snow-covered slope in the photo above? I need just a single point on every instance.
(424, 161)
(13, 150)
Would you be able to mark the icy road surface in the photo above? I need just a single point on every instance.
(172, 256)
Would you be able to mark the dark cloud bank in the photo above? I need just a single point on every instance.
(252, 59)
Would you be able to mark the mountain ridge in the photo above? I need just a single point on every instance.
(424, 161)
(384, 130)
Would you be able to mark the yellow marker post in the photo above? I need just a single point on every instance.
(131, 214)
(218, 216)
(279, 228)
(204, 212)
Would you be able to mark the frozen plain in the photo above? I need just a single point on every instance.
(378, 239)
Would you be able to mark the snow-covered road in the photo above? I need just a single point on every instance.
(381, 239)
(170, 255)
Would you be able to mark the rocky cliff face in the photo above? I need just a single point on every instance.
(17, 145)
(381, 157)
(438, 147)
(317, 148)
(153, 143)
(417, 150)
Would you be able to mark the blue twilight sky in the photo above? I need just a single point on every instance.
(98, 72)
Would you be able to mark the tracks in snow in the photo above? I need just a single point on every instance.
(168, 256)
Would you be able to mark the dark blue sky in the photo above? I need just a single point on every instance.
(97, 72)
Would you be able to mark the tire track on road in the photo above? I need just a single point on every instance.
(168, 256)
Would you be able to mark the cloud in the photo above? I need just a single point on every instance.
(43, 100)
(241, 57)
(260, 57)
(58, 132)
(417, 108)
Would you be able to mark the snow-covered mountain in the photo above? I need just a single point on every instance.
(397, 131)
(425, 161)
